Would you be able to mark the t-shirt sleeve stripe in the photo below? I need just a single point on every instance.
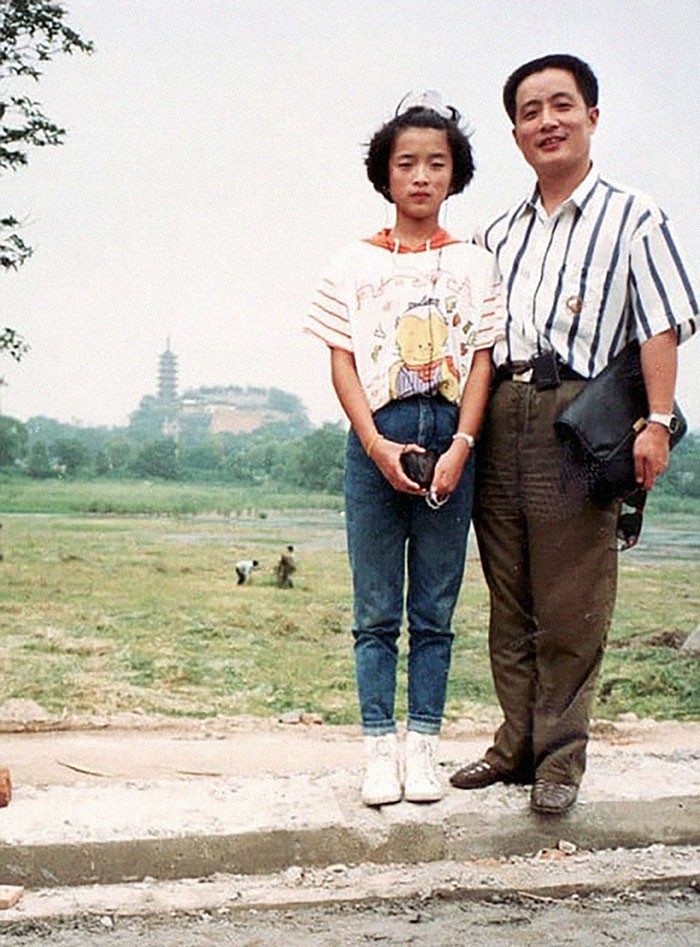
(491, 319)
(328, 319)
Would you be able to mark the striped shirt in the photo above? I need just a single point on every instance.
(603, 269)
(411, 319)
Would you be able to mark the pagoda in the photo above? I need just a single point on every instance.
(167, 376)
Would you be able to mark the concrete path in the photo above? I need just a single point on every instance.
(193, 799)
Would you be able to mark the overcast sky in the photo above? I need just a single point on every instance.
(214, 161)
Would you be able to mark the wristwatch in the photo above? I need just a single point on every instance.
(669, 421)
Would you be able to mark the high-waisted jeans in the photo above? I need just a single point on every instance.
(391, 536)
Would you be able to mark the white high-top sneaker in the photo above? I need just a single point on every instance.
(382, 783)
(422, 783)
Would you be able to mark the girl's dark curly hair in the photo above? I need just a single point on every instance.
(382, 143)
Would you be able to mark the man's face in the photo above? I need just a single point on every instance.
(553, 124)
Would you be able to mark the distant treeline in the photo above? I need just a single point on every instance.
(291, 455)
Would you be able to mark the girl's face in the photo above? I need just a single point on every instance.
(420, 173)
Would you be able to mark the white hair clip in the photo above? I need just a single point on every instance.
(430, 100)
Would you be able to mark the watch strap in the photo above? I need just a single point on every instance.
(669, 421)
(463, 436)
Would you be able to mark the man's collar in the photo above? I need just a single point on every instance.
(578, 197)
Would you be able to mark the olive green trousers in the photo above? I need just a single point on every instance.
(550, 561)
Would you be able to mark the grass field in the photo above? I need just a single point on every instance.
(154, 498)
(106, 613)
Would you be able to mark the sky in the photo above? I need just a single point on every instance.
(214, 162)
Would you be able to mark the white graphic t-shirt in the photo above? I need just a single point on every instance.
(411, 318)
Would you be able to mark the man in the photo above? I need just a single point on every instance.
(286, 567)
(587, 266)
(244, 568)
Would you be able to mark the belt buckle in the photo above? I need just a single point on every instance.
(524, 377)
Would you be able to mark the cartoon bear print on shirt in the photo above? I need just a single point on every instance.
(423, 367)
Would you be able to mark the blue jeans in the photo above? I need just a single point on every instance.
(388, 533)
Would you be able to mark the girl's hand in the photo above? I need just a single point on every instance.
(449, 469)
(387, 456)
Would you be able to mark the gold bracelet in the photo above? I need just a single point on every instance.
(372, 443)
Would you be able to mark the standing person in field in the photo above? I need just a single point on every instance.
(286, 567)
(587, 266)
(409, 318)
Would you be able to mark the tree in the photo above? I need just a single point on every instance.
(150, 419)
(318, 460)
(158, 459)
(32, 33)
(39, 462)
(13, 440)
(288, 403)
(12, 343)
(70, 454)
(115, 458)
(683, 475)
(203, 460)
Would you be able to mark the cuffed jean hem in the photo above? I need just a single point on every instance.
(428, 728)
(378, 729)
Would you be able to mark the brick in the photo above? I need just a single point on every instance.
(9, 896)
(5, 787)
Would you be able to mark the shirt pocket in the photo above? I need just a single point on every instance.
(581, 299)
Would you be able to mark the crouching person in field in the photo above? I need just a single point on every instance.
(244, 569)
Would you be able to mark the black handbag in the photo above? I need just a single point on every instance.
(602, 421)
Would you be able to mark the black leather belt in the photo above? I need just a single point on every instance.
(522, 372)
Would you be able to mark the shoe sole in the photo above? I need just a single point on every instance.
(552, 810)
(423, 797)
(505, 779)
(375, 801)
(485, 785)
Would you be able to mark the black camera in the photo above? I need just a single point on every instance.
(545, 371)
(419, 467)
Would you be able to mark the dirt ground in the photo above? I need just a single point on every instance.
(631, 919)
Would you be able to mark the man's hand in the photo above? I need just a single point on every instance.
(659, 365)
(651, 450)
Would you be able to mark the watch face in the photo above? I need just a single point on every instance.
(673, 424)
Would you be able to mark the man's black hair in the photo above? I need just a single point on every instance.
(382, 142)
(584, 77)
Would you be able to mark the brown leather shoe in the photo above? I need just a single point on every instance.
(549, 798)
(478, 775)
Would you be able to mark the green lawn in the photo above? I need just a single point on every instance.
(107, 613)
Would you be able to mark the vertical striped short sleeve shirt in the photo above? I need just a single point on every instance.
(603, 269)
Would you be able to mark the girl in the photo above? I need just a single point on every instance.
(409, 317)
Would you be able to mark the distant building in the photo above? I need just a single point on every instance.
(167, 376)
(231, 409)
(219, 409)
